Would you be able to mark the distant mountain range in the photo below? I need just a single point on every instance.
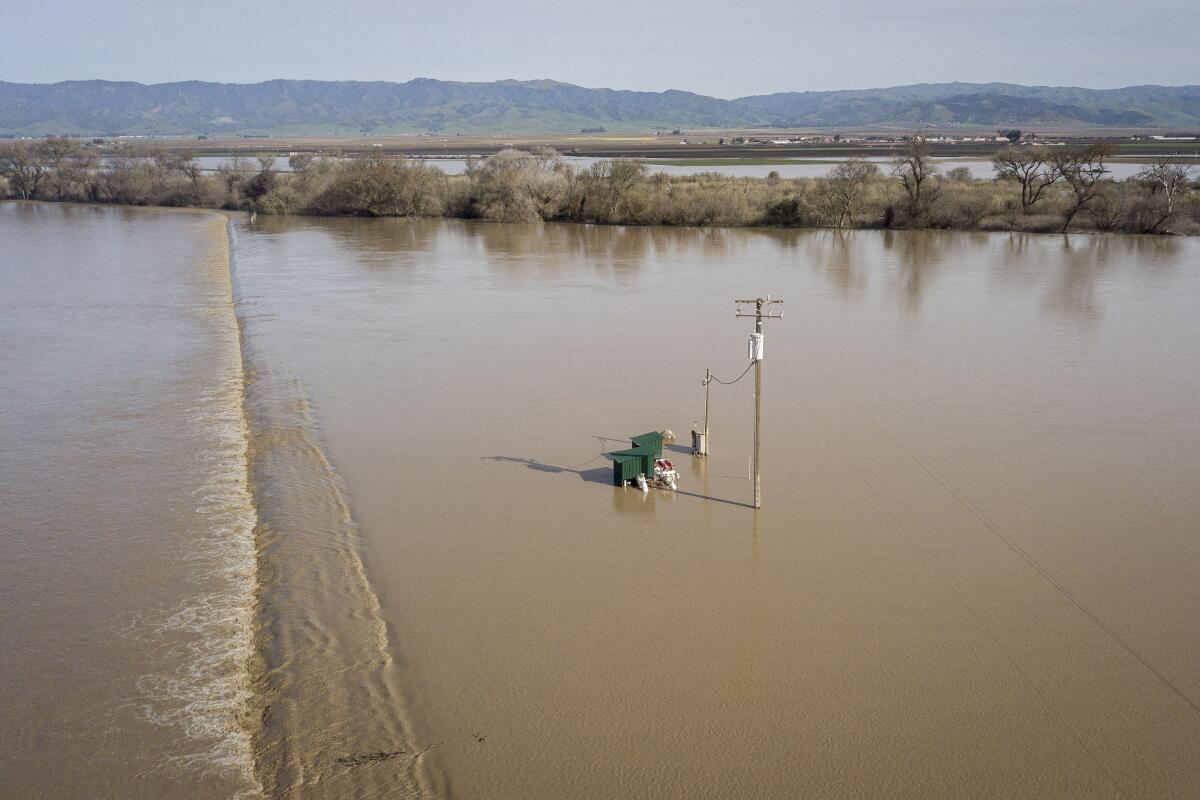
(287, 107)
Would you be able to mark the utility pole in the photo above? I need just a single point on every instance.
(762, 310)
(700, 435)
(707, 387)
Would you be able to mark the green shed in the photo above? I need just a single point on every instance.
(652, 440)
(628, 463)
(646, 449)
(626, 466)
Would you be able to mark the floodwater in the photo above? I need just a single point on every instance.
(975, 572)
(126, 544)
(980, 169)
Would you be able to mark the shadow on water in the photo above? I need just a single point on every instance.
(597, 475)
(714, 499)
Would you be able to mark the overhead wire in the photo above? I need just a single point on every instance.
(735, 380)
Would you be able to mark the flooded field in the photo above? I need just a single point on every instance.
(975, 572)
(980, 168)
(126, 546)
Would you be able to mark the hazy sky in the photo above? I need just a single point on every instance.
(725, 49)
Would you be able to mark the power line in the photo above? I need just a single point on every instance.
(735, 380)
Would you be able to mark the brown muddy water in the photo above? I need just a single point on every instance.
(126, 547)
(976, 572)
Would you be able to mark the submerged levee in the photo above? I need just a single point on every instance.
(206, 694)
(326, 717)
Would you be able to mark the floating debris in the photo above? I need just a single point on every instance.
(357, 759)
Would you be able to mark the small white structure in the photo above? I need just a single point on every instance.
(665, 474)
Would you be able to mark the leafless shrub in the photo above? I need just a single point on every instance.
(962, 206)
(1106, 208)
(959, 175)
(513, 186)
(374, 187)
(604, 191)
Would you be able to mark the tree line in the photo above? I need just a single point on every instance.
(1035, 188)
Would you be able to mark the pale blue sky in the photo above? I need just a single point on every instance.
(724, 49)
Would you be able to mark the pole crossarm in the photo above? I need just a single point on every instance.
(762, 308)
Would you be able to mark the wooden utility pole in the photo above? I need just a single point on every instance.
(700, 434)
(756, 355)
(707, 387)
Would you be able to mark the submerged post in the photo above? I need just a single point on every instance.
(756, 355)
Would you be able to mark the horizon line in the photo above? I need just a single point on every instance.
(602, 88)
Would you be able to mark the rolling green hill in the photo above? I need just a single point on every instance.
(286, 107)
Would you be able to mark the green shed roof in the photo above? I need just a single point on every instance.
(642, 450)
(653, 438)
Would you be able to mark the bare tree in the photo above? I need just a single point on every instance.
(163, 160)
(841, 193)
(625, 173)
(234, 173)
(21, 163)
(182, 162)
(69, 168)
(1082, 168)
(300, 162)
(187, 165)
(914, 169)
(1030, 167)
(1170, 181)
(549, 159)
(55, 150)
